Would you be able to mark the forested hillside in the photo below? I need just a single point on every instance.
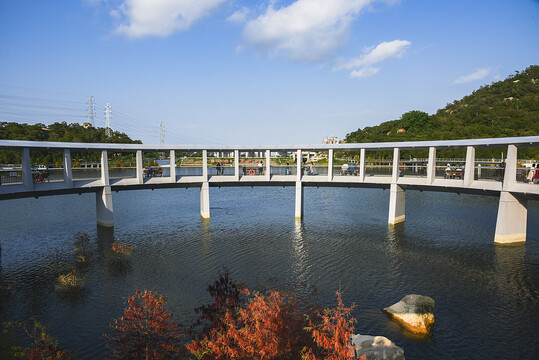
(61, 132)
(56, 132)
(502, 109)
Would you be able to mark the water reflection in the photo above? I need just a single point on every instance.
(395, 237)
(396, 246)
(105, 238)
(299, 254)
(510, 277)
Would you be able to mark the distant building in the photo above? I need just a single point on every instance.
(331, 140)
(87, 125)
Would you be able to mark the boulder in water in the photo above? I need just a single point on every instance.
(414, 313)
(376, 348)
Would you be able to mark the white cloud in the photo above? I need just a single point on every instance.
(161, 17)
(475, 76)
(364, 72)
(383, 51)
(306, 30)
(239, 16)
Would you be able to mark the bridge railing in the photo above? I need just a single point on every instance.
(368, 162)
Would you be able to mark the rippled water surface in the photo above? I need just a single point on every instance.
(487, 296)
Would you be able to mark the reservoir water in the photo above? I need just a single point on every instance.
(487, 296)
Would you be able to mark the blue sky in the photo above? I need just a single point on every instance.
(253, 72)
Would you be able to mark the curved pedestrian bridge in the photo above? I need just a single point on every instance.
(505, 179)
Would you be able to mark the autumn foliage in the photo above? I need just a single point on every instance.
(43, 347)
(333, 333)
(239, 325)
(145, 331)
(269, 327)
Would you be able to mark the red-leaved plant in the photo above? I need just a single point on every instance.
(269, 327)
(332, 333)
(145, 331)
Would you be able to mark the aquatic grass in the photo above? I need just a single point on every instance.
(72, 281)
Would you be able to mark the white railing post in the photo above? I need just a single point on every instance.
(299, 187)
(140, 173)
(26, 169)
(431, 165)
(205, 165)
(68, 172)
(105, 168)
(299, 158)
(104, 209)
(362, 165)
(396, 162)
(510, 175)
(268, 165)
(330, 165)
(237, 165)
(172, 165)
(469, 168)
(205, 188)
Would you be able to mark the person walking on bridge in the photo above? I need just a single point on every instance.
(531, 174)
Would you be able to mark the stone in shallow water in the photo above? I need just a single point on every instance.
(414, 313)
(376, 348)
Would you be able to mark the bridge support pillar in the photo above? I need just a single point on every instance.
(397, 201)
(104, 211)
(205, 200)
(512, 218)
(299, 200)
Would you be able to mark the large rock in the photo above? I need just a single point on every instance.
(414, 313)
(376, 348)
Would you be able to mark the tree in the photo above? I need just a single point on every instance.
(226, 295)
(269, 327)
(415, 120)
(145, 331)
(333, 333)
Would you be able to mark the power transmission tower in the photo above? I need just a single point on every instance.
(91, 110)
(108, 112)
(161, 133)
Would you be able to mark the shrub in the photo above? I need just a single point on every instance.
(226, 295)
(43, 347)
(145, 331)
(269, 327)
(332, 334)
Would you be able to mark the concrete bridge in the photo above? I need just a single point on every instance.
(512, 192)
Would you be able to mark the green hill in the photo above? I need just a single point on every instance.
(61, 132)
(503, 109)
(56, 132)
